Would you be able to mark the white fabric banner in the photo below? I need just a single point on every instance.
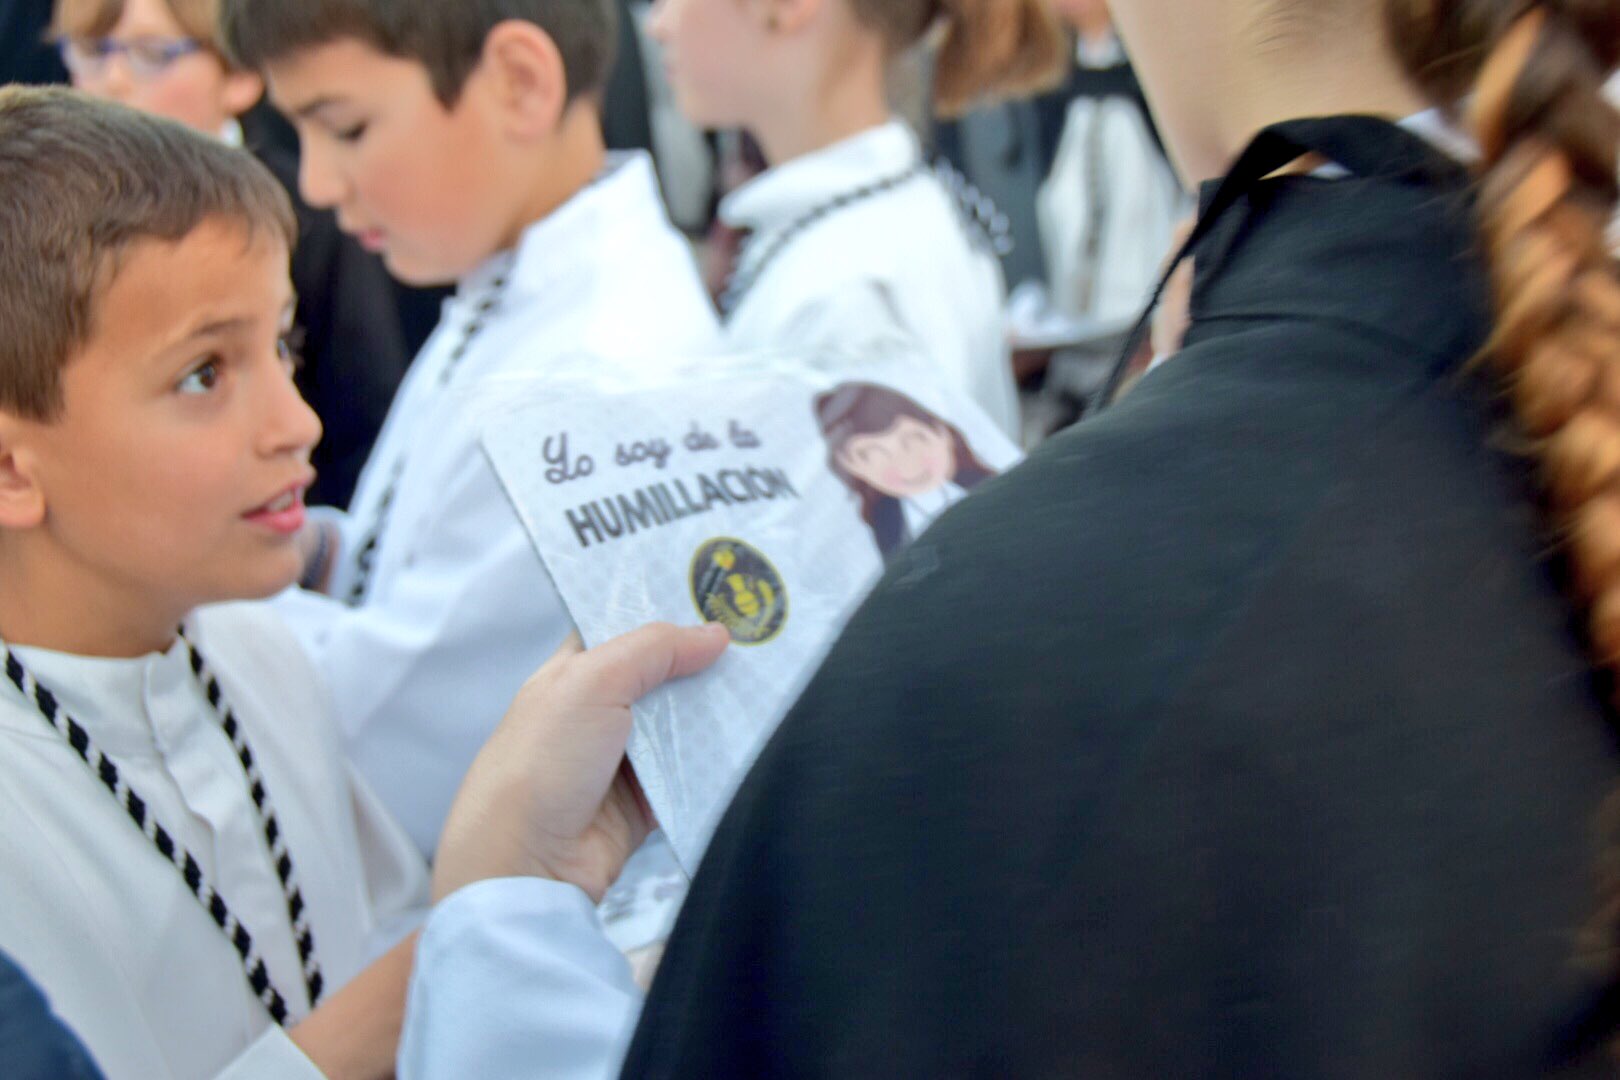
(753, 491)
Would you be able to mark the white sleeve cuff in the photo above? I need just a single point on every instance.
(273, 1056)
(516, 978)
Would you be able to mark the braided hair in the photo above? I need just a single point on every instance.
(1532, 77)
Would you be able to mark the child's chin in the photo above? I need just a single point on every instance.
(420, 273)
(267, 584)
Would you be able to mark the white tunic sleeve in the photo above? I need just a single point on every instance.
(474, 597)
(394, 876)
(866, 321)
(515, 979)
(858, 318)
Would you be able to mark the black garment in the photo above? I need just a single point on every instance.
(625, 122)
(1243, 731)
(1116, 81)
(34, 1044)
(1026, 134)
(24, 56)
(354, 351)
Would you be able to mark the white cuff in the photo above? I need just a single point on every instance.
(516, 978)
(273, 1056)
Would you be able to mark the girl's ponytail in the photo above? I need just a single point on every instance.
(990, 48)
(995, 48)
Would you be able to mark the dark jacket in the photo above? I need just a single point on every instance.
(1243, 731)
(24, 55)
(34, 1044)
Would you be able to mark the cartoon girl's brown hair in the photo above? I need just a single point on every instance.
(855, 409)
(1548, 190)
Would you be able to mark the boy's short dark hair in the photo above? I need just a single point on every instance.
(444, 36)
(81, 181)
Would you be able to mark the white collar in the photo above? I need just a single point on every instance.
(231, 134)
(1443, 133)
(1102, 55)
(623, 193)
(111, 696)
(931, 504)
(784, 192)
(1435, 128)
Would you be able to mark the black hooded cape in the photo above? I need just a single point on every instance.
(1243, 731)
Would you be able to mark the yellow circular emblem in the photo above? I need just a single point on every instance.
(736, 586)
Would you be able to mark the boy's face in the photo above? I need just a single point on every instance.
(196, 89)
(175, 473)
(429, 188)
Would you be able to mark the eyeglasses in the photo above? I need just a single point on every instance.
(147, 57)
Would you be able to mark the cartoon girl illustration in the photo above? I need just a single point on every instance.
(904, 464)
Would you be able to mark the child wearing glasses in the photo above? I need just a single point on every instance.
(162, 57)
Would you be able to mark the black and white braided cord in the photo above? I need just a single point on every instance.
(366, 554)
(107, 770)
(275, 842)
(753, 261)
(987, 225)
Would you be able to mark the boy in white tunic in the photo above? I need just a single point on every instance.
(855, 245)
(192, 874)
(190, 867)
(464, 145)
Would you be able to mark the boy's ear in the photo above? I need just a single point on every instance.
(243, 89)
(22, 500)
(522, 71)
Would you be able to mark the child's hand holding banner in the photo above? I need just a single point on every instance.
(754, 493)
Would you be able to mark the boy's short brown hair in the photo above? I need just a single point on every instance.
(81, 181)
(445, 36)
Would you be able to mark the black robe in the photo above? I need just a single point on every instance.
(1242, 731)
(24, 55)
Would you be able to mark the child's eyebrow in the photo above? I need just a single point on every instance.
(226, 326)
(218, 326)
(320, 104)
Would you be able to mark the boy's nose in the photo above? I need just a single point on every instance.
(111, 80)
(291, 425)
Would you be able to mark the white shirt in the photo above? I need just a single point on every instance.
(1108, 209)
(106, 925)
(459, 609)
(902, 265)
(920, 511)
(515, 980)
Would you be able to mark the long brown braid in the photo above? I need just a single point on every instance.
(1550, 143)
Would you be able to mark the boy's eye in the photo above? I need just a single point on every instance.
(202, 378)
(290, 347)
(350, 134)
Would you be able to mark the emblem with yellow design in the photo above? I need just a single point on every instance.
(736, 586)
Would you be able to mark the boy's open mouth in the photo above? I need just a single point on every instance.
(282, 514)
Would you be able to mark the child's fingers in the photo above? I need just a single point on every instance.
(621, 671)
